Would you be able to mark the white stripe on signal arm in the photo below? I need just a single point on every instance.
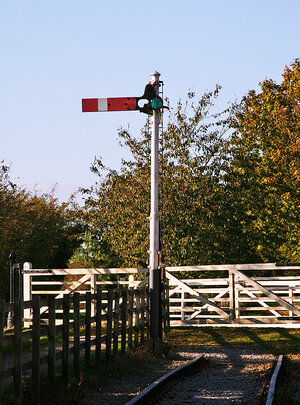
(102, 104)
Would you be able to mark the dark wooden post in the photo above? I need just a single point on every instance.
(142, 316)
(98, 327)
(137, 318)
(36, 349)
(130, 317)
(51, 340)
(168, 305)
(162, 300)
(66, 337)
(124, 321)
(110, 297)
(116, 323)
(76, 305)
(17, 350)
(87, 345)
(147, 313)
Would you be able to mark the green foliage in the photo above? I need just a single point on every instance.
(264, 176)
(35, 227)
(229, 184)
(91, 253)
(191, 163)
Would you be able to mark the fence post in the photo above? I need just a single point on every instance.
(110, 297)
(147, 313)
(163, 306)
(76, 307)
(182, 306)
(291, 298)
(136, 317)
(93, 291)
(98, 327)
(18, 350)
(116, 323)
(231, 286)
(87, 329)
(237, 302)
(130, 317)
(65, 337)
(27, 296)
(124, 321)
(51, 340)
(131, 281)
(142, 316)
(36, 334)
(167, 307)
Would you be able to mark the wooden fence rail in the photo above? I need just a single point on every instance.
(119, 323)
(233, 295)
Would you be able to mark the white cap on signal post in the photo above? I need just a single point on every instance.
(155, 75)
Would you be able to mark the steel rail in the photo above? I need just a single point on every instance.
(147, 392)
(160, 383)
(272, 386)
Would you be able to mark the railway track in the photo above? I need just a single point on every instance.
(219, 378)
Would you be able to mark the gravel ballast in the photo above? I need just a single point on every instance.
(228, 376)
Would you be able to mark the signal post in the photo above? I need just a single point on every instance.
(152, 104)
(154, 269)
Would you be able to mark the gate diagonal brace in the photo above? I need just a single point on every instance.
(220, 295)
(267, 292)
(198, 296)
(69, 290)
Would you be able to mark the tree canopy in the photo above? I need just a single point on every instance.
(35, 227)
(229, 184)
(192, 157)
(265, 168)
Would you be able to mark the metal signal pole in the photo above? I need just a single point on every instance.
(153, 106)
(154, 270)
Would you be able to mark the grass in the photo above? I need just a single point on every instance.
(27, 345)
(267, 340)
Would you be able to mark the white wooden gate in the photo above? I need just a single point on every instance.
(59, 282)
(231, 296)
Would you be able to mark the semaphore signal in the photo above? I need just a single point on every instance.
(152, 104)
(109, 104)
(147, 103)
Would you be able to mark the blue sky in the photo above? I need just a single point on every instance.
(54, 53)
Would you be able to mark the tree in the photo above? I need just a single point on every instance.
(35, 227)
(265, 170)
(224, 199)
(192, 157)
